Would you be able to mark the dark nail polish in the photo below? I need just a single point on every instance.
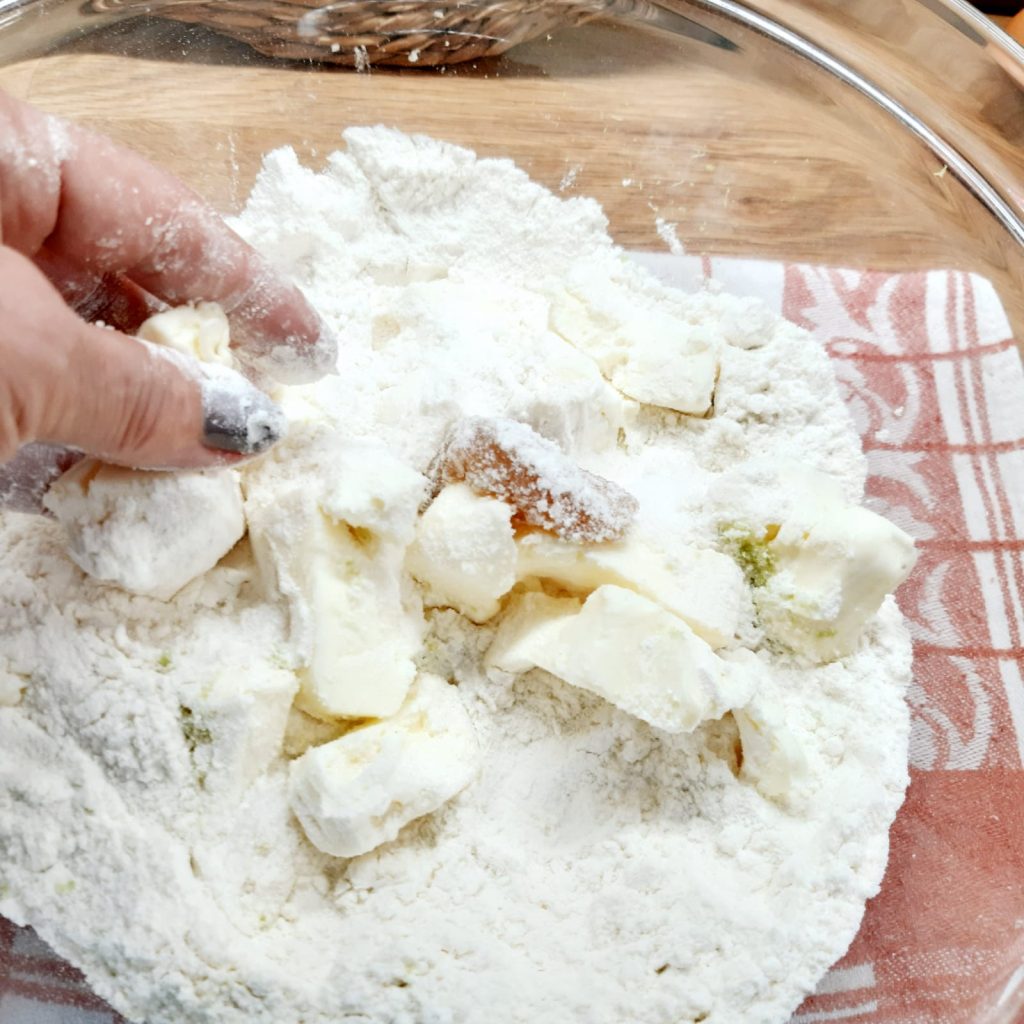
(238, 417)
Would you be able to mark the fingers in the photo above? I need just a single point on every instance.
(106, 209)
(24, 480)
(111, 300)
(69, 383)
(139, 405)
(149, 228)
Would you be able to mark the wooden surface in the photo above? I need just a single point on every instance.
(749, 152)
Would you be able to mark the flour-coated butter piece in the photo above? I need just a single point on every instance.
(372, 490)
(147, 532)
(243, 712)
(531, 625)
(773, 759)
(833, 569)
(628, 650)
(465, 552)
(355, 622)
(200, 331)
(361, 662)
(358, 791)
(648, 354)
(12, 686)
(581, 412)
(356, 633)
(703, 587)
(819, 565)
(823, 565)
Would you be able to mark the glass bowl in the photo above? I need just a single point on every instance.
(842, 133)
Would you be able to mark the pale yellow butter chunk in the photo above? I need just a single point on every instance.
(361, 664)
(626, 649)
(373, 491)
(832, 572)
(344, 588)
(825, 565)
(647, 354)
(819, 566)
(12, 685)
(531, 625)
(243, 714)
(149, 533)
(200, 331)
(464, 552)
(772, 758)
(702, 587)
(359, 791)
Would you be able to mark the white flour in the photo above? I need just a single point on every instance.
(597, 871)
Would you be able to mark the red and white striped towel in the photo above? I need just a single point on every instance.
(931, 374)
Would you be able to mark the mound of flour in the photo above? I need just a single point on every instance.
(598, 870)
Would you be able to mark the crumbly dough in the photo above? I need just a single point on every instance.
(568, 862)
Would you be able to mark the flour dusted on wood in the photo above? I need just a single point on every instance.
(596, 869)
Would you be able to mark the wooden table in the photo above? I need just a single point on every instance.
(750, 152)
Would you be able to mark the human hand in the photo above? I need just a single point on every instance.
(91, 231)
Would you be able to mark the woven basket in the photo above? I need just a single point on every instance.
(360, 33)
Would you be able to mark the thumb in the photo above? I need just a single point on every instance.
(113, 396)
(144, 406)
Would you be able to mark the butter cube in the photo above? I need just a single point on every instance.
(704, 588)
(357, 792)
(818, 565)
(465, 552)
(372, 490)
(200, 331)
(833, 569)
(583, 413)
(531, 625)
(647, 354)
(357, 633)
(245, 712)
(149, 533)
(772, 758)
(626, 649)
(361, 662)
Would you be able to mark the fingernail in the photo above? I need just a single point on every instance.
(238, 417)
